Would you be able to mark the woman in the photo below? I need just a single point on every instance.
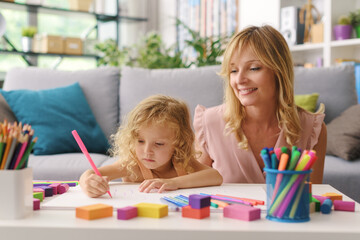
(258, 110)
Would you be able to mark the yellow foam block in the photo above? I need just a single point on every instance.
(152, 210)
(332, 196)
(94, 211)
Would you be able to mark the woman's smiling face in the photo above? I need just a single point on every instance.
(252, 82)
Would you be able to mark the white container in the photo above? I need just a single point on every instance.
(16, 198)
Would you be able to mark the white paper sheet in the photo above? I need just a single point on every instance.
(127, 194)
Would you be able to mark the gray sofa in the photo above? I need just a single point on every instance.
(111, 97)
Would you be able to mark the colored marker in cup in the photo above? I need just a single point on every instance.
(87, 155)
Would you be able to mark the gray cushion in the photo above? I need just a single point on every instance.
(194, 86)
(100, 87)
(343, 175)
(67, 166)
(336, 86)
(343, 134)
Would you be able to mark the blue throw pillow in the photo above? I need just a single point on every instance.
(53, 114)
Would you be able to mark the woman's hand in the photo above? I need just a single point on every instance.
(94, 185)
(157, 183)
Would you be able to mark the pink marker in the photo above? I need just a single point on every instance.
(86, 153)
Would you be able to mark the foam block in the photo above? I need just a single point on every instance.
(36, 204)
(63, 188)
(320, 198)
(326, 206)
(312, 207)
(340, 205)
(95, 211)
(48, 191)
(126, 213)
(199, 201)
(37, 189)
(55, 187)
(242, 212)
(333, 196)
(197, 213)
(317, 203)
(38, 195)
(152, 210)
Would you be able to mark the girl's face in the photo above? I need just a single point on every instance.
(154, 145)
(252, 82)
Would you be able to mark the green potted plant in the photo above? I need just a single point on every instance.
(343, 29)
(355, 21)
(28, 34)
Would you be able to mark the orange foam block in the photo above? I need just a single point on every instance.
(332, 196)
(190, 212)
(94, 211)
(242, 212)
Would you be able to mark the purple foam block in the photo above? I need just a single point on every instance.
(344, 206)
(48, 190)
(198, 201)
(126, 213)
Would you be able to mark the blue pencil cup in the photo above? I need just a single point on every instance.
(287, 194)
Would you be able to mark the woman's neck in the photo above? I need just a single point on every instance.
(264, 117)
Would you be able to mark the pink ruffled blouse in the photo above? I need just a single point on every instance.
(238, 165)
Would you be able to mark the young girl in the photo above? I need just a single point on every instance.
(155, 146)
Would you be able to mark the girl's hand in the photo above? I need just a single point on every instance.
(94, 185)
(157, 183)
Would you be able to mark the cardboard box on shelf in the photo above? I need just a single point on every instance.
(80, 5)
(44, 43)
(317, 33)
(73, 46)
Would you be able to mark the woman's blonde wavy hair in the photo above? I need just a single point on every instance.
(160, 110)
(272, 50)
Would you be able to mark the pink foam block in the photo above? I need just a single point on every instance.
(344, 206)
(36, 204)
(242, 212)
(320, 198)
(63, 188)
(39, 190)
(126, 213)
(55, 187)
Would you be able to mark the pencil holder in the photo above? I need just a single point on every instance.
(287, 195)
(16, 198)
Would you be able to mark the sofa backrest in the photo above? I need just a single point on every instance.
(100, 87)
(195, 86)
(335, 85)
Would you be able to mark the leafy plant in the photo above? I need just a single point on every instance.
(152, 53)
(110, 54)
(344, 20)
(29, 31)
(355, 18)
(208, 49)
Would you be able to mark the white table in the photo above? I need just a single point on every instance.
(62, 225)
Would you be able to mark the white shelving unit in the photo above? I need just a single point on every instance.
(331, 10)
(330, 49)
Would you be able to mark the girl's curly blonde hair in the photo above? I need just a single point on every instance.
(272, 50)
(160, 110)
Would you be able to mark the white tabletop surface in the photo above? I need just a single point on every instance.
(63, 225)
